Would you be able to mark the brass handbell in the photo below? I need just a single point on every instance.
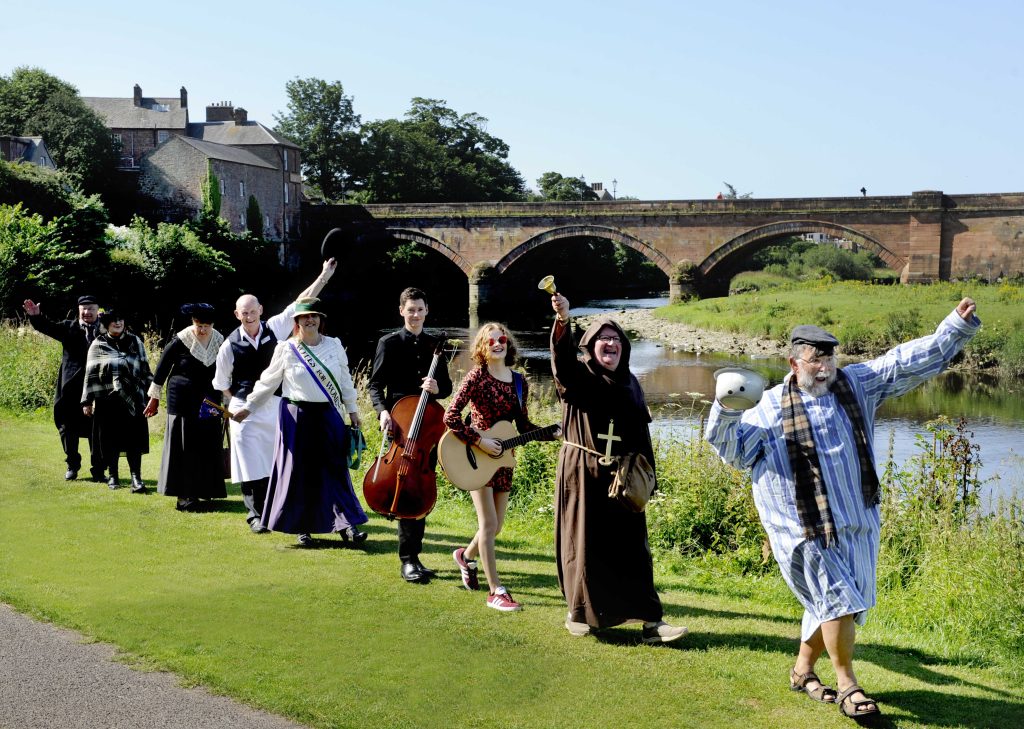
(548, 284)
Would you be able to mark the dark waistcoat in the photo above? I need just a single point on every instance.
(249, 361)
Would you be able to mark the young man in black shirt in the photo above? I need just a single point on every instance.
(400, 368)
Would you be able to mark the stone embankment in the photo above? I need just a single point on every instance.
(686, 338)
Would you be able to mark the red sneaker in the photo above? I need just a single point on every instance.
(503, 601)
(467, 568)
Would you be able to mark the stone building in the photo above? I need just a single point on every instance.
(171, 155)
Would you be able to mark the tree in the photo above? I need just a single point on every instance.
(321, 120)
(254, 217)
(732, 194)
(555, 187)
(436, 155)
(211, 193)
(34, 103)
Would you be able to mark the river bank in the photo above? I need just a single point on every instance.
(686, 338)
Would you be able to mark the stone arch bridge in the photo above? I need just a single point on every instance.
(700, 244)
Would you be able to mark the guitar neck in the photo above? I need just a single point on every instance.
(524, 438)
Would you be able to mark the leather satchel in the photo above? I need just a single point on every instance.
(634, 482)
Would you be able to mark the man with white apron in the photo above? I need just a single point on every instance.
(246, 352)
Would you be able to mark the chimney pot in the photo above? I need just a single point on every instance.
(137, 96)
(184, 98)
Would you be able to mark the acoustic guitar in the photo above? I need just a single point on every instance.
(470, 468)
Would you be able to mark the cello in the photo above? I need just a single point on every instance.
(402, 482)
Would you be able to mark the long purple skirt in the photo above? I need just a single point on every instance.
(310, 491)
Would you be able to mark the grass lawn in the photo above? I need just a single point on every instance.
(332, 637)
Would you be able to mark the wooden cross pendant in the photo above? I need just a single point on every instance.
(606, 459)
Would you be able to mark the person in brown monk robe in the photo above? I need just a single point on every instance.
(605, 569)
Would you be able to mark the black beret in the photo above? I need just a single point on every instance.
(110, 315)
(202, 312)
(87, 299)
(815, 337)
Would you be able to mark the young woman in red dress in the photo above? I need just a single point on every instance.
(492, 392)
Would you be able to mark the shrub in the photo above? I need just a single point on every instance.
(28, 368)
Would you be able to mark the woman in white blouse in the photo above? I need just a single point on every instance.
(310, 491)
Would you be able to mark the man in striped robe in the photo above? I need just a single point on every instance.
(809, 443)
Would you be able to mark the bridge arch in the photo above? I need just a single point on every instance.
(717, 262)
(588, 231)
(423, 239)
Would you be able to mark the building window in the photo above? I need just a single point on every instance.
(223, 189)
(162, 136)
(116, 138)
(286, 161)
(241, 189)
(241, 220)
(286, 193)
(266, 222)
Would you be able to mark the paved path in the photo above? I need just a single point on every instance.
(49, 678)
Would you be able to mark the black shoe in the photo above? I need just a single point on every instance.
(98, 476)
(353, 535)
(187, 505)
(71, 474)
(305, 541)
(137, 486)
(256, 528)
(113, 483)
(411, 573)
(419, 566)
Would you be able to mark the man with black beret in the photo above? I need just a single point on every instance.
(809, 444)
(75, 336)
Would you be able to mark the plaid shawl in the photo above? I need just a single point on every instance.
(117, 366)
(811, 494)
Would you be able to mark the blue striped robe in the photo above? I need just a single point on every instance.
(838, 581)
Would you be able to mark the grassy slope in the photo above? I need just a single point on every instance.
(854, 311)
(332, 637)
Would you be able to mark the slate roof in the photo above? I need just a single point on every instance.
(155, 113)
(225, 152)
(34, 149)
(248, 133)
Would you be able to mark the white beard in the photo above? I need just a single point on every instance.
(813, 386)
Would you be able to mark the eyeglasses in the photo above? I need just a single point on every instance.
(500, 340)
(818, 361)
(609, 338)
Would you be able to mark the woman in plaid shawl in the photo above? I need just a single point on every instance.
(116, 377)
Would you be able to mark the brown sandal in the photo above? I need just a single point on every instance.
(821, 693)
(858, 712)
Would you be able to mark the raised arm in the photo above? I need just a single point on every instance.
(40, 322)
(320, 281)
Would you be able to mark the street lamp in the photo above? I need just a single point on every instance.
(615, 184)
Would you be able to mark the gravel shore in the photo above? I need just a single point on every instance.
(683, 337)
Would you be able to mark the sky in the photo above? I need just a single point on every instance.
(669, 99)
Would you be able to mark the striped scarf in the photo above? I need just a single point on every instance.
(117, 366)
(811, 494)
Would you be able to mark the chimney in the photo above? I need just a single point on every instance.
(137, 100)
(184, 98)
(241, 116)
(220, 112)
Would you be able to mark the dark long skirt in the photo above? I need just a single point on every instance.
(310, 491)
(193, 460)
(116, 431)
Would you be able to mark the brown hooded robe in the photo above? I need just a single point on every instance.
(604, 560)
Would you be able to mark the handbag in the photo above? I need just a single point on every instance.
(634, 482)
(356, 446)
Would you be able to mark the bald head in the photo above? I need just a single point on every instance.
(248, 311)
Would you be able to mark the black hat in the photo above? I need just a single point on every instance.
(110, 315)
(201, 312)
(333, 241)
(815, 337)
(87, 299)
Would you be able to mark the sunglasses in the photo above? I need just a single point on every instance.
(500, 340)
